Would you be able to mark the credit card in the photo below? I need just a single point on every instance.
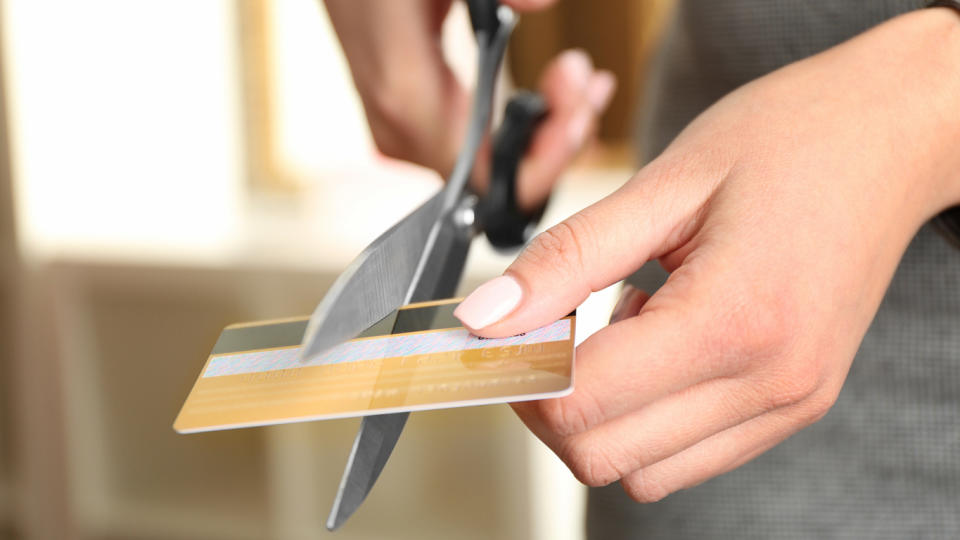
(417, 358)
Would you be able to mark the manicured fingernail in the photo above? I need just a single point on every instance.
(578, 66)
(491, 302)
(579, 127)
(623, 305)
(601, 90)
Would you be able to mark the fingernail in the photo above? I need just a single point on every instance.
(601, 90)
(626, 298)
(579, 127)
(577, 65)
(491, 302)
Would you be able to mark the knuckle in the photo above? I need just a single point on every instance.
(644, 489)
(393, 140)
(393, 125)
(791, 385)
(802, 383)
(816, 406)
(589, 461)
(563, 417)
(388, 143)
(767, 331)
(750, 330)
(387, 126)
(561, 246)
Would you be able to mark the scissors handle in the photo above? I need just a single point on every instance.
(483, 16)
(501, 218)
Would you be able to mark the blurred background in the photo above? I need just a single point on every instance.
(170, 167)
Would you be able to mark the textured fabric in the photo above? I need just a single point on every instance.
(885, 461)
(716, 46)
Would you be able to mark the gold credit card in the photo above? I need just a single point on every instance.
(418, 358)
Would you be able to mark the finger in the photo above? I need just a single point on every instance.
(567, 130)
(566, 83)
(696, 328)
(650, 215)
(576, 95)
(632, 363)
(656, 431)
(721, 453)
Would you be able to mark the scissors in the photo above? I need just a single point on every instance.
(422, 257)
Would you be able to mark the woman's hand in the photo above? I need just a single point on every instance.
(781, 213)
(418, 110)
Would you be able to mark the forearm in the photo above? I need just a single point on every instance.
(381, 38)
(931, 77)
(395, 57)
(949, 220)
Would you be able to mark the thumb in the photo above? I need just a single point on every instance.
(587, 252)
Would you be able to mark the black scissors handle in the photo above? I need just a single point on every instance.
(499, 215)
(505, 224)
(483, 16)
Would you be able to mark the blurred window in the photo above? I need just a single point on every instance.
(123, 122)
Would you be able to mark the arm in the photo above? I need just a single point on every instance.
(781, 213)
(411, 97)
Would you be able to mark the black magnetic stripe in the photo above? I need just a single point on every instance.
(290, 333)
(383, 327)
(418, 319)
(263, 336)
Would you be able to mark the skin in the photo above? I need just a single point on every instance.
(781, 212)
(418, 110)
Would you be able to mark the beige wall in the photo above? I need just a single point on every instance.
(8, 268)
(620, 35)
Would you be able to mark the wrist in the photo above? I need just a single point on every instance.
(901, 81)
(936, 54)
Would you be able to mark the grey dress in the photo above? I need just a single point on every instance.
(885, 461)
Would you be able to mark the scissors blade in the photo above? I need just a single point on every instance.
(383, 276)
(436, 273)
(371, 450)
(379, 433)
(375, 283)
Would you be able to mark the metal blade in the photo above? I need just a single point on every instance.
(378, 434)
(375, 283)
(442, 255)
(384, 276)
(371, 450)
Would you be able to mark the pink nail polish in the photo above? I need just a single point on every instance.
(600, 91)
(578, 66)
(491, 302)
